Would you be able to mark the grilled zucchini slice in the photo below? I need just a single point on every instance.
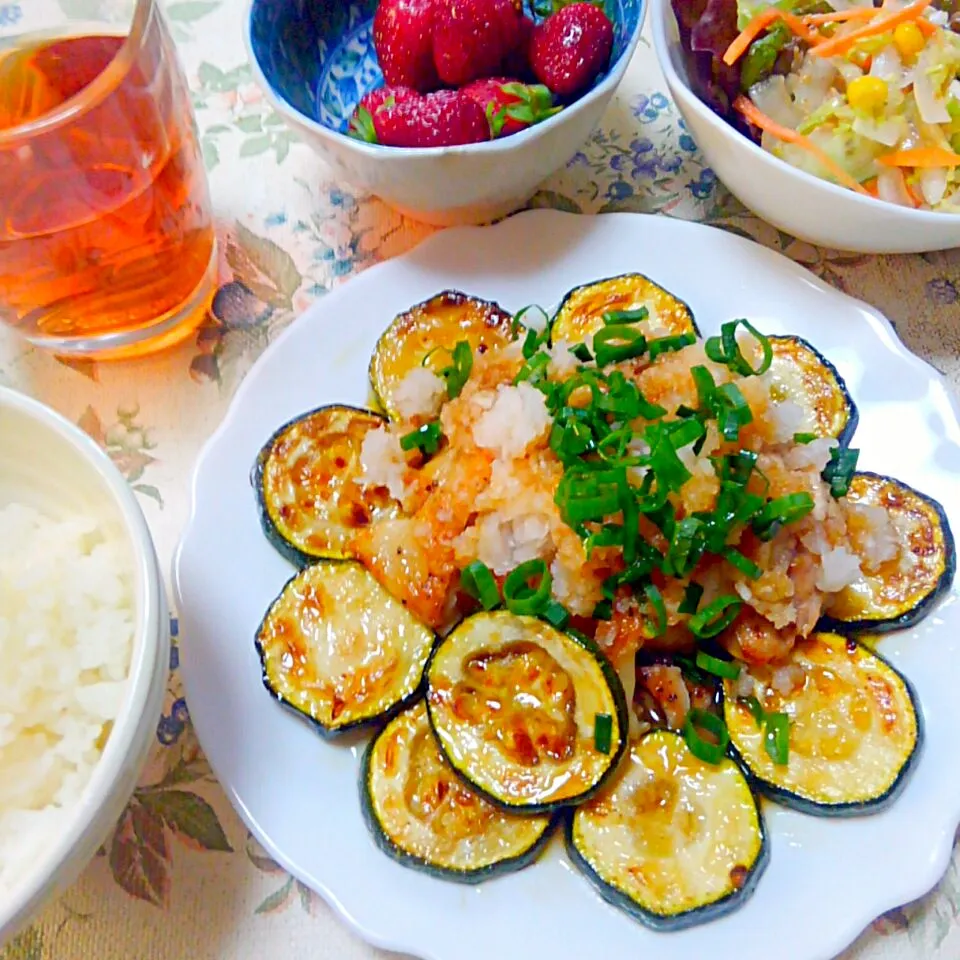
(421, 814)
(436, 325)
(339, 650)
(806, 377)
(304, 476)
(672, 840)
(580, 315)
(514, 704)
(902, 590)
(855, 729)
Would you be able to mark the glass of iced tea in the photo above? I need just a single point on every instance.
(107, 244)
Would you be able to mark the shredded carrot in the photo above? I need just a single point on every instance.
(838, 45)
(758, 24)
(857, 13)
(927, 28)
(871, 187)
(759, 119)
(921, 157)
(913, 195)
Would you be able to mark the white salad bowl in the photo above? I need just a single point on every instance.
(53, 466)
(791, 199)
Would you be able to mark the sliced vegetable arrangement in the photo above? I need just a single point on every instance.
(598, 567)
(867, 96)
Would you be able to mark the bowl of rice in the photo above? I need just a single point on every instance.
(84, 638)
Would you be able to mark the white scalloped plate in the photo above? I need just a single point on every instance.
(827, 879)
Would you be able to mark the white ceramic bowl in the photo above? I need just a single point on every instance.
(288, 42)
(796, 202)
(54, 466)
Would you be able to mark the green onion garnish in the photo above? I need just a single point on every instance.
(685, 548)
(603, 610)
(715, 616)
(691, 598)
(743, 564)
(519, 596)
(732, 410)
(582, 352)
(725, 669)
(725, 349)
(516, 324)
(602, 732)
(706, 750)
(426, 438)
(776, 738)
(667, 344)
(556, 614)
(804, 437)
(477, 580)
(690, 670)
(656, 627)
(737, 467)
(626, 316)
(840, 470)
(458, 372)
(777, 513)
(756, 710)
(534, 369)
(618, 342)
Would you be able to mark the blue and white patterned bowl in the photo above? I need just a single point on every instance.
(315, 61)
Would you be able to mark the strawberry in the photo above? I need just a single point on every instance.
(361, 123)
(403, 40)
(571, 47)
(517, 63)
(511, 106)
(472, 38)
(441, 119)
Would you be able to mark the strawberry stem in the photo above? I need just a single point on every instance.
(361, 126)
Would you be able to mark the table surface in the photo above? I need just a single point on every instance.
(180, 876)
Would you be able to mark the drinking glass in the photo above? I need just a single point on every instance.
(107, 245)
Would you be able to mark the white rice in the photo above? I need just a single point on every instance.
(66, 638)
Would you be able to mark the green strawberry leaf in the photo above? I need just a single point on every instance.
(361, 125)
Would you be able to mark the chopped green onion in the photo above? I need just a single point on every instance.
(691, 598)
(669, 469)
(518, 595)
(516, 323)
(776, 738)
(534, 369)
(666, 344)
(603, 610)
(756, 710)
(725, 669)
(690, 671)
(618, 342)
(582, 352)
(706, 750)
(602, 732)
(626, 316)
(715, 617)
(840, 470)
(777, 513)
(477, 580)
(571, 438)
(804, 437)
(556, 614)
(685, 432)
(426, 438)
(658, 627)
(685, 548)
(457, 374)
(737, 467)
(732, 410)
(725, 349)
(705, 384)
(743, 564)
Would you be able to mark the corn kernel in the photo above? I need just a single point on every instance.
(867, 93)
(908, 39)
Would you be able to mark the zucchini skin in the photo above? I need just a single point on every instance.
(292, 554)
(694, 329)
(327, 732)
(853, 413)
(911, 617)
(407, 859)
(791, 800)
(617, 751)
(672, 923)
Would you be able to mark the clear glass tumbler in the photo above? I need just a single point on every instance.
(107, 245)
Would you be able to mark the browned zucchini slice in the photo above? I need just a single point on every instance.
(902, 590)
(854, 729)
(339, 650)
(672, 840)
(803, 375)
(424, 816)
(515, 705)
(437, 324)
(581, 313)
(310, 507)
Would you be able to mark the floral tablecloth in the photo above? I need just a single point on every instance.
(180, 877)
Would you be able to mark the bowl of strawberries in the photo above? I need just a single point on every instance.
(451, 111)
